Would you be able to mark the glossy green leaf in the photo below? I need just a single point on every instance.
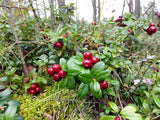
(107, 117)
(146, 106)
(5, 94)
(32, 73)
(102, 75)
(132, 116)
(156, 100)
(71, 83)
(63, 64)
(97, 68)
(128, 110)
(18, 117)
(63, 82)
(83, 90)
(10, 112)
(85, 77)
(94, 87)
(76, 60)
(2, 87)
(73, 72)
(14, 102)
(2, 79)
(114, 107)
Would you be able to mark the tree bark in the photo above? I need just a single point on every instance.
(94, 10)
(137, 8)
(131, 6)
(99, 10)
(51, 4)
(35, 14)
(61, 3)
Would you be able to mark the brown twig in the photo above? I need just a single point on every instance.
(17, 41)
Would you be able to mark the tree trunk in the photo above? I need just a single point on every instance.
(61, 3)
(137, 8)
(99, 10)
(35, 14)
(51, 4)
(94, 10)
(131, 6)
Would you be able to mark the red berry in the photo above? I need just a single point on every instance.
(33, 86)
(87, 63)
(152, 24)
(29, 89)
(55, 44)
(94, 60)
(87, 55)
(152, 29)
(129, 30)
(42, 29)
(56, 68)
(37, 85)
(123, 25)
(56, 77)
(50, 71)
(101, 86)
(157, 70)
(32, 92)
(59, 45)
(62, 74)
(158, 25)
(104, 84)
(120, 17)
(117, 118)
(37, 89)
(45, 36)
(94, 23)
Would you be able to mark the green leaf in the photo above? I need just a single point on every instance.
(41, 79)
(18, 117)
(156, 100)
(16, 78)
(71, 83)
(107, 117)
(10, 112)
(2, 79)
(128, 110)
(146, 106)
(32, 73)
(114, 107)
(2, 87)
(40, 72)
(132, 116)
(83, 90)
(110, 91)
(113, 82)
(27, 86)
(85, 77)
(94, 87)
(73, 72)
(156, 90)
(5, 94)
(79, 56)
(14, 102)
(76, 60)
(102, 75)
(63, 64)
(63, 82)
(97, 68)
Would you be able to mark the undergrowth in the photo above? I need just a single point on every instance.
(55, 103)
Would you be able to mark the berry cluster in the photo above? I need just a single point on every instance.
(118, 20)
(103, 84)
(152, 29)
(57, 72)
(34, 88)
(89, 61)
(58, 44)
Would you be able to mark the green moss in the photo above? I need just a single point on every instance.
(64, 104)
